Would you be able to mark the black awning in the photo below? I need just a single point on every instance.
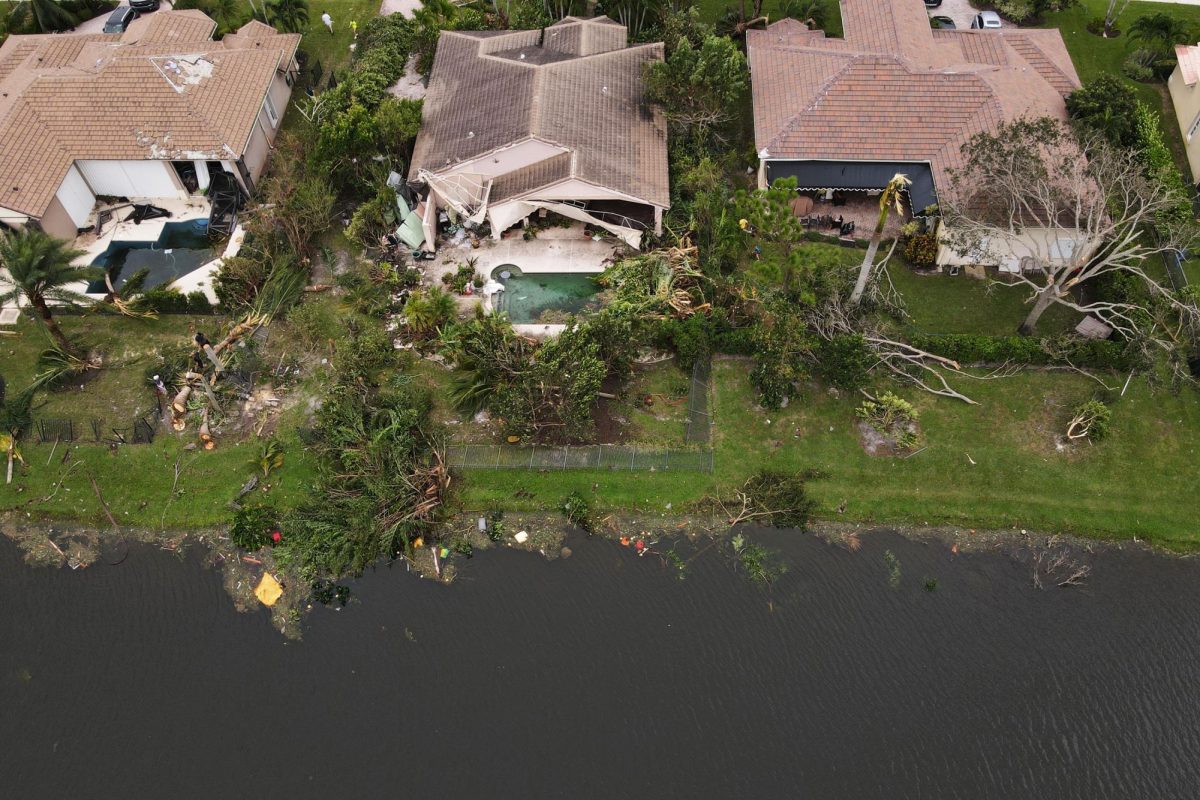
(858, 176)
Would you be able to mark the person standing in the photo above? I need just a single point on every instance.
(328, 20)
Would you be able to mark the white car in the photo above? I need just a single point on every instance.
(986, 19)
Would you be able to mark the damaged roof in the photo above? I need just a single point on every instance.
(896, 90)
(576, 85)
(162, 90)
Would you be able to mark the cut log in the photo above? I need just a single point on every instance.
(179, 404)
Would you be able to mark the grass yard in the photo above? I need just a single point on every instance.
(128, 346)
(134, 479)
(1094, 55)
(663, 422)
(940, 303)
(1133, 483)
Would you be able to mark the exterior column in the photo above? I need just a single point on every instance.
(202, 177)
(658, 214)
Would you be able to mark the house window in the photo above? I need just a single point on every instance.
(271, 114)
(1195, 127)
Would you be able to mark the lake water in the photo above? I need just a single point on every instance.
(601, 676)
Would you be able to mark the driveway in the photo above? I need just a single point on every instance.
(96, 24)
(958, 10)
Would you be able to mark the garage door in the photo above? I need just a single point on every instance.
(130, 178)
(76, 197)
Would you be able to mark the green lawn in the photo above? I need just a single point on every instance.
(940, 303)
(1134, 483)
(128, 346)
(1094, 55)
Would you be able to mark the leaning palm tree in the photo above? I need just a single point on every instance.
(289, 16)
(38, 267)
(889, 198)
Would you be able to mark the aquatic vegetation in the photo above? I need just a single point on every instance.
(757, 562)
(893, 565)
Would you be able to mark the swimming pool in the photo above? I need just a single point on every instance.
(181, 248)
(527, 295)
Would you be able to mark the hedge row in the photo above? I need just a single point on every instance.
(169, 301)
(978, 349)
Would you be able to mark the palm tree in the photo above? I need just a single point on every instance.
(289, 16)
(1159, 32)
(39, 269)
(889, 198)
(47, 16)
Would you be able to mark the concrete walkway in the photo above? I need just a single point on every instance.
(405, 7)
(96, 24)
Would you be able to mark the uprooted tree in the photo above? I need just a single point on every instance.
(1030, 200)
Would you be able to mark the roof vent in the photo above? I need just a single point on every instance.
(470, 134)
(604, 90)
(522, 56)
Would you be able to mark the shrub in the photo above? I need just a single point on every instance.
(1161, 165)
(734, 341)
(578, 511)
(1138, 66)
(252, 527)
(781, 498)
(970, 348)
(198, 303)
(1090, 419)
(920, 249)
(887, 413)
(689, 338)
(164, 301)
(844, 360)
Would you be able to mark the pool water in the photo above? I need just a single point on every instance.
(181, 248)
(527, 295)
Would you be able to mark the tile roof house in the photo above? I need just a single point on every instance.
(893, 96)
(517, 121)
(146, 114)
(1184, 85)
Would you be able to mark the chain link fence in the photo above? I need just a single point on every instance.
(699, 421)
(141, 429)
(617, 458)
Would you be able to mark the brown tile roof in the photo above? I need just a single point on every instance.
(483, 96)
(896, 90)
(1189, 62)
(152, 95)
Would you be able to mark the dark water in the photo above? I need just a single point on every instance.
(178, 251)
(600, 676)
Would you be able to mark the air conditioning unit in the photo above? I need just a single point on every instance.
(952, 269)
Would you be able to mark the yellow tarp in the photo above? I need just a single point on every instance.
(268, 591)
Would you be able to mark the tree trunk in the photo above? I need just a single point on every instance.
(51, 324)
(864, 272)
(1044, 300)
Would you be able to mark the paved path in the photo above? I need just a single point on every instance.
(405, 7)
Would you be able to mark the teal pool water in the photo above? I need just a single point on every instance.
(527, 296)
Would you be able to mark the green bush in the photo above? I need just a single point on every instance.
(844, 361)
(1091, 418)
(164, 301)
(734, 341)
(969, 348)
(252, 527)
(920, 249)
(198, 303)
(578, 511)
(781, 498)
(689, 338)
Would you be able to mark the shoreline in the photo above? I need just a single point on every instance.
(79, 545)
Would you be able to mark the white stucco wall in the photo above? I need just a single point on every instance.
(76, 197)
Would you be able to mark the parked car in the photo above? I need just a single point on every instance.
(932, 3)
(119, 19)
(144, 6)
(944, 23)
(986, 19)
